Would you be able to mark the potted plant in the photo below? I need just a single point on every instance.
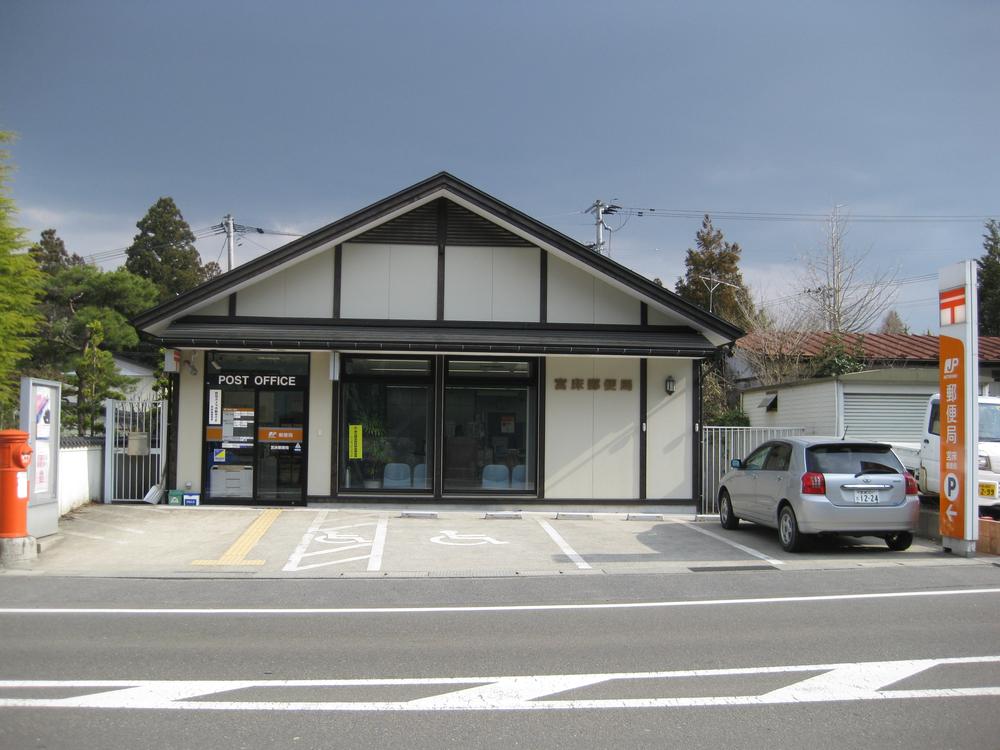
(376, 453)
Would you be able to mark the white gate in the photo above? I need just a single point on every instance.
(135, 452)
(720, 445)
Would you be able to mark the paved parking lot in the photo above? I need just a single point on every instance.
(160, 541)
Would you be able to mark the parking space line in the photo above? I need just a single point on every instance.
(378, 544)
(562, 544)
(236, 554)
(299, 552)
(742, 547)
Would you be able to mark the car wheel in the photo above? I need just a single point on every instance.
(727, 518)
(899, 541)
(788, 530)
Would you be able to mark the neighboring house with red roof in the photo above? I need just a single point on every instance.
(886, 400)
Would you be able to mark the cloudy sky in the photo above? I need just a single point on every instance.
(291, 114)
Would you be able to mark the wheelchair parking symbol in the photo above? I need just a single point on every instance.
(454, 539)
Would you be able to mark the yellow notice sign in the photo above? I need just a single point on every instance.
(354, 443)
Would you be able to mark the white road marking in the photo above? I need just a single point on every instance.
(378, 544)
(227, 611)
(454, 539)
(564, 545)
(731, 543)
(339, 542)
(839, 682)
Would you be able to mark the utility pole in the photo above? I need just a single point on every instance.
(600, 209)
(227, 222)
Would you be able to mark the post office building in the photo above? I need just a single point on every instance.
(438, 345)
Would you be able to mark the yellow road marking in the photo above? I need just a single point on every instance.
(237, 553)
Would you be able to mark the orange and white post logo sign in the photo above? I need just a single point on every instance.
(952, 305)
(953, 436)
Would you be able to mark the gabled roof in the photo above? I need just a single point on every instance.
(447, 185)
(875, 347)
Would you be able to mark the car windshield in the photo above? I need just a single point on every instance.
(989, 423)
(848, 458)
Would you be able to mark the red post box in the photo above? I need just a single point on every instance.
(15, 456)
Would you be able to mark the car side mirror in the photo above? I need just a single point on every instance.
(736, 463)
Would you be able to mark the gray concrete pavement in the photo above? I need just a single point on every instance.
(860, 657)
(205, 542)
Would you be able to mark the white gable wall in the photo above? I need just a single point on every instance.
(576, 296)
(302, 290)
(491, 283)
(388, 282)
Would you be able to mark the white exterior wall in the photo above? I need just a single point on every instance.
(575, 296)
(304, 290)
(491, 283)
(659, 318)
(190, 427)
(388, 282)
(812, 406)
(591, 437)
(669, 430)
(320, 437)
(219, 307)
(79, 477)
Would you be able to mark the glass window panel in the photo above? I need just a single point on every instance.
(258, 362)
(488, 368)
(386, 437)
(383, 367)
(489, 434)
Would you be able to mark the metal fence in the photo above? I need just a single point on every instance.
(720, 445)
(135, 448)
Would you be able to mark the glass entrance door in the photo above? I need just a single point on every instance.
(255, 427)
(281, 445)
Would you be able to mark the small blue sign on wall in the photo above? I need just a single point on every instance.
(219, 455)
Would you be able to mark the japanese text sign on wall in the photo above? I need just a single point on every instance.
(958, 377)
(592, 384)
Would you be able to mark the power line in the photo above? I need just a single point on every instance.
(789, 216)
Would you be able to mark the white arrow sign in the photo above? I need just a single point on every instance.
(951, 512)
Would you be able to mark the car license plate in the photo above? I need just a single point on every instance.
(987, 489)
(865, 497)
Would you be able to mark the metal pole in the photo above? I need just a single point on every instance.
(228, 223)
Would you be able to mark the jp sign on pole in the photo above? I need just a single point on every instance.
(959, 382)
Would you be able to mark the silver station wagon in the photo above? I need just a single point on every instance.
(817, 485)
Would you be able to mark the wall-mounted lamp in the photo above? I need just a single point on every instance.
(670, 385)
(191, 368)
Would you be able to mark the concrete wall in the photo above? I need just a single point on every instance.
(80, 473)
(669, 430)
(591, 437)
(320, 438)
(190, 425)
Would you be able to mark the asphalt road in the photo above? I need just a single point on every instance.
(818, 659)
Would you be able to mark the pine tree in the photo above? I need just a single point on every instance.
(892, 323)
(20, 287)
(163, 251)
(713, 279)
(97, 379)
(989, 281)
(51, 256)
